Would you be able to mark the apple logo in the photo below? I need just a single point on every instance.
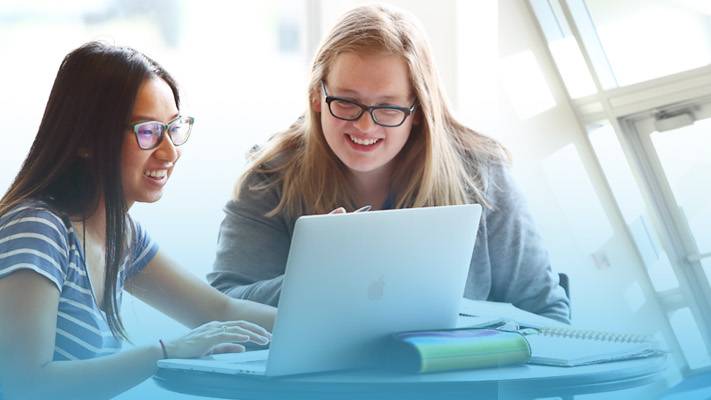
(376, 289)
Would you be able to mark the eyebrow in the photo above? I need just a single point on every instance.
(147, 118)
(349, 92)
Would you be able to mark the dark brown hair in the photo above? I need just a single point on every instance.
(87, 112)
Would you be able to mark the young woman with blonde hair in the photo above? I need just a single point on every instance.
(379, 132)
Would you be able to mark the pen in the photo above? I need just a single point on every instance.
(364, 208)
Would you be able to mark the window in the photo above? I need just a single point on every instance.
(647, 124)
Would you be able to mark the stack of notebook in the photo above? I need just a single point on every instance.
(444, 350)
(485, 341)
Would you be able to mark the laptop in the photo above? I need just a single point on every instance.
(352, 280)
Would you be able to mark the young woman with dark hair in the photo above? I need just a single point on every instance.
(109, 138)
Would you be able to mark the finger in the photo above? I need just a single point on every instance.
(339, 210)
(228, 336)
(238, 334)
(255, 332)
(251, 336)
(250, 327)
(227, 348)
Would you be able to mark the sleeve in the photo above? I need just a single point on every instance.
(251, 248)
(521, 270)
(143, 249)
(34, 239)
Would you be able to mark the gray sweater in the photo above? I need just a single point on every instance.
(509, 263)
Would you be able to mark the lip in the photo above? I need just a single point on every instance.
(156, 182)
(361, 147)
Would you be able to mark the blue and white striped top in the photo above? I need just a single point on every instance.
(34, 238)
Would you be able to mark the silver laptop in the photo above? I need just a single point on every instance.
(353, 279)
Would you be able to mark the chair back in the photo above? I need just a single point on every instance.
(564, 282)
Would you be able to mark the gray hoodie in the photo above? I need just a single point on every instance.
(509, 263)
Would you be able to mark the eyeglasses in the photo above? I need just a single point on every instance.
(349, 110)
(149, 134)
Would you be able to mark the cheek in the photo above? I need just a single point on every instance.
(133, 161)
(329, 127)
(400, 137)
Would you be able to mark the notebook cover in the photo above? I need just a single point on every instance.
(445, 350)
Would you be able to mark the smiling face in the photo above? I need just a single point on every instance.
(370, 79)
(145, 172)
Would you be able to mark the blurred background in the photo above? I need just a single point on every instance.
(605, 106)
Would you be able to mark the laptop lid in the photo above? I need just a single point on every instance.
(353, 279)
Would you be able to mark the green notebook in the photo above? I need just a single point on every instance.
(446, 350)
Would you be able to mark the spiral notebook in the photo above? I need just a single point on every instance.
(566, 347)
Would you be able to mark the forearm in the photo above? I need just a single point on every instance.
(98, 378)
(265, 291)
(239, 309)
(556, 306)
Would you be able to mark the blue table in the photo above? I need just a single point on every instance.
(516, 382)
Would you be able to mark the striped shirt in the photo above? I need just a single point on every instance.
(34, 238)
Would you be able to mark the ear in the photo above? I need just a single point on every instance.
(417, 117)
(316, 104)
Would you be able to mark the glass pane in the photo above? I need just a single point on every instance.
(525, 85)
(689, 338)
(706, 263)
(564, 48)
(652, 38)
(575, 194)
(685, 154)
(629, 199)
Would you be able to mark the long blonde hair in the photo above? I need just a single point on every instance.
(441, 163)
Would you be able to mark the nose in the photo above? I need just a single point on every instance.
(365, 123)
(167, 151)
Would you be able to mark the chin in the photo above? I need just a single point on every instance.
(149, 198)
(364, 167)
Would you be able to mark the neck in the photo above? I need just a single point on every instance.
(371, 188)
(94, 225)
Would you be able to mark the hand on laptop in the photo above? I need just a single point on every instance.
(216, 337)
(341, 210)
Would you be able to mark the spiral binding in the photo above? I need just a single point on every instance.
(595, 335)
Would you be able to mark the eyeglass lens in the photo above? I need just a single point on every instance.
(350, 111)
(149, 133)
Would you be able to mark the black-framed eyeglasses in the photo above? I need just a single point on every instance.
(349, 110)
(149, 134)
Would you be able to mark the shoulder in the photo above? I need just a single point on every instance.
(492, 173)
(264, 176)
(142, 248)
(501, 189)
(486, 160)
(270, 162)
(35, 237)
(34, 216)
